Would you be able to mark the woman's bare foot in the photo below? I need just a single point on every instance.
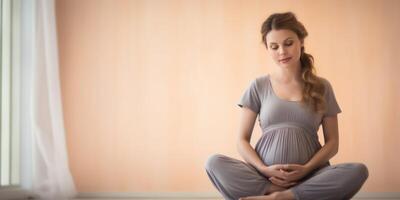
(274, 188)
(283, 195)
(264, 197)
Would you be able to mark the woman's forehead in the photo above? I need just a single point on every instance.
(279, 36)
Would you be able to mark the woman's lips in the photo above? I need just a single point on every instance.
(285, 60)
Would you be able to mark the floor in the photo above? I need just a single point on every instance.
(204, 199)
(147, 199)
(361, 196)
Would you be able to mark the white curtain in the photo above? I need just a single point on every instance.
(44, 164)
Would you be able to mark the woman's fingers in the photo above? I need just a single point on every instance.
(279, 167)
(281, 182)
(292, 167)
(291, 175)
(280, 174)
(277, 182)
(288, 176)
(285, 171)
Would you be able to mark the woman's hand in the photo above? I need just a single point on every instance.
(294, 172)
(277, 175)
(281, 182)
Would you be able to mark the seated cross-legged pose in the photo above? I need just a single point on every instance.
(291, 103)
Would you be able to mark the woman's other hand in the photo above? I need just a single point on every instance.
(277, 175)
(294, 172)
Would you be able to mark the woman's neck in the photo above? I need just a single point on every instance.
(287, 75)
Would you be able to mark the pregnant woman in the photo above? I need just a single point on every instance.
(288, 162)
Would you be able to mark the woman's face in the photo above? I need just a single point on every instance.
(284, 47)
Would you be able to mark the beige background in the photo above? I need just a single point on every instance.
(150, 87)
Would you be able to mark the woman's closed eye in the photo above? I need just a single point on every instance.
(287, 44)
(274, 47)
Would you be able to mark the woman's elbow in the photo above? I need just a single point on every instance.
(240, 142)
(334, 147)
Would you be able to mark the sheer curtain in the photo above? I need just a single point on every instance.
(44, 164)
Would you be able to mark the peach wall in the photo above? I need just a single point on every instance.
(150, 87)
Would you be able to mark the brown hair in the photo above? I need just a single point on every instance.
(313, 91)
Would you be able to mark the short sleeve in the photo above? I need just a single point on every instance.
(332, 107)
(251, 98)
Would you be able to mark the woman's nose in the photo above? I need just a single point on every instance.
(282, 51)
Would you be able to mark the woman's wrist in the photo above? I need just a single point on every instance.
(264, 170)
(313, 164)
(259, 166)
(309, 167)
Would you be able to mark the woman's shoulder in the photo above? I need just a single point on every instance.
(324, 81)
(261, 82)
(327, 84)
(261, 79)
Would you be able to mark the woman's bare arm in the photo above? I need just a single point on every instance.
(246, 125)
(331, 146)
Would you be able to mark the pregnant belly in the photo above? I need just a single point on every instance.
(287, 145)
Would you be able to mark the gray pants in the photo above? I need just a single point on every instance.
(234, 179)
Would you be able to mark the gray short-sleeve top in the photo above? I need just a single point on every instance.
(298, 126)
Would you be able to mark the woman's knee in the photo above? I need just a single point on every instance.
(357, 174)
(357, 170)
(361, 170)
(214, 162)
